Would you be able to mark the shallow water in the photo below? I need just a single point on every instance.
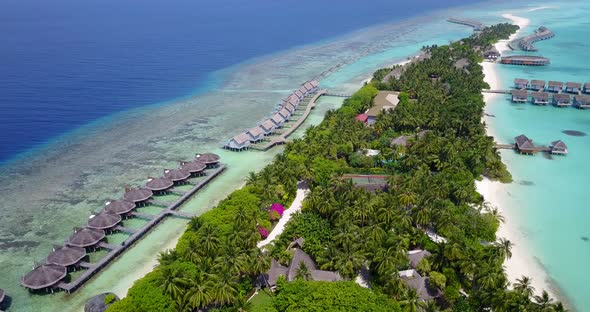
(48, 193)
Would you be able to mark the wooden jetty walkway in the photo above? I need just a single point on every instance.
(282, 138)
(497, 91)
(473, 24)
(116, 250)
(513, 147)
(527, 43)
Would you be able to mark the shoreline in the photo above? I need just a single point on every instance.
(522, 262)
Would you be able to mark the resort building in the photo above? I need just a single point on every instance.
(526, 60)
(209, 159)
(277, 120)
(521, 83)
(586, 88)
(555, 86)
(308, 87)
(177, 176)
(385, 100)
(461, 64)
(121, 207)
(537, 85)
(285, 114)
(137, 195)
(105, 221)
(558, 148)
(298, 94)
(573, 87)
(415, 256)
(520, 96)
(403, 139)
(159, 185)
(420, 284)
(540, 98)
(85, 238)
(582, 101)
(268, 126)
(290, 107)
(524, 145)
(561, 100)
(66, 256)
(44, 276)
(255, 134)
(491, 54)
(195, 167)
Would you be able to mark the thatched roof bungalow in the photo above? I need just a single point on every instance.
(519, 96)
(554, 86)
(491, 53)
(537, 85)
(582, 101)
(559, 148)
(573, 87)
(176, 175)
(66, 255)
(524, 145)
(85, 237)
(44, 276)
(137, 195)
(520, 83)
(160, 184)
(120, 207)
(415, 256)
(255, 134)
(420, 284)
(195, 167)
(586, 88)
(562, 100)
(209, 159)
(540, 98)
(104, 221)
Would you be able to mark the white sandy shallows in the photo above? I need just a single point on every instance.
(522, 262)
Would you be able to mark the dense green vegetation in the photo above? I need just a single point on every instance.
(347, 228)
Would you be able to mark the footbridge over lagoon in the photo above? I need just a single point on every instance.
(527, 43)
(477, 26)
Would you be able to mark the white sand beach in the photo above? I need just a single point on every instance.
(522, 262)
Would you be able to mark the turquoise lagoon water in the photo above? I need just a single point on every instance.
(48, 193)
(548, 200)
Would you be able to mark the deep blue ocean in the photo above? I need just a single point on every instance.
(65, 63)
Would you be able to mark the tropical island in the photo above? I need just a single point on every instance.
(390, 220)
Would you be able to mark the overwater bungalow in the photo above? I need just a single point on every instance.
(195, 167)
(586, 88)
(289, 107)
(238, 143)
(285, 114)
(537, 85)
(44, 276)
(269, 126)
(105, 221)
(209, 159)
(178, 176)
(520, 83)
(526, 60)
(137, 195)
(298, 94)
(555, 86)
(314, 84)
(540, 98)
(491, 54)
(582, 101)
(558, 148)
(561, 100)
(303, 90)
(519, 96)
(255, 134)
(293, 99)
(159, 185)
(524, 145)
(308, 86)
(277, 120)
(121, 207)
(66, 256)
(573, 87)
(424, 289)
(85, 238)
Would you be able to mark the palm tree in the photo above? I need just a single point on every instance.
(428, 306)
(303, 272)
(167, 257)
(226, 288)
(209, 238)
(504, 248)
(199, 295)
(411, 300)
(544, 301)
(173, 283)
(523, 285)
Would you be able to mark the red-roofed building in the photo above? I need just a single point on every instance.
(362, 118)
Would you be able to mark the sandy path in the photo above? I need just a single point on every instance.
(294, 208)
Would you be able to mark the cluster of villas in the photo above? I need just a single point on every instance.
(282, 114)
(554, 92)
(75, 253)
(524, 145)
(384, 101)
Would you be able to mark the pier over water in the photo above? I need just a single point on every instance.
(526, 43)
(477, 26)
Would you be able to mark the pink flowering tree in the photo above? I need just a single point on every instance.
(278, 208)
(263, 232)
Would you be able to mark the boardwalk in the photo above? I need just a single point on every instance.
(116, 250)
(512, 146)
(527, 43)
(282, 138)
(473, 24)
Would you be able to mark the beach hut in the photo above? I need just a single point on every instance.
(104, 221)
(285, 114)
(582, 101)
(586, 88)
(519, 96)
(255, 134)
(178, 176)
(158, 185)
(573, 87)
(491, 54)
(561, 100)
(268, 126)
(554, 86)
(540, 98)
(85, 237)
(66, 256)
(520, 83)
(44, 276)
(277, 120)
(298, 94)
(558, 148)
(209, 159)
(415, 256)
(537, 85)
(524, 145)
(137, 195)
(238, 143)
(195, 167)
(120, 207)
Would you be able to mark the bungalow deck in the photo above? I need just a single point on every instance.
(116, 250)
